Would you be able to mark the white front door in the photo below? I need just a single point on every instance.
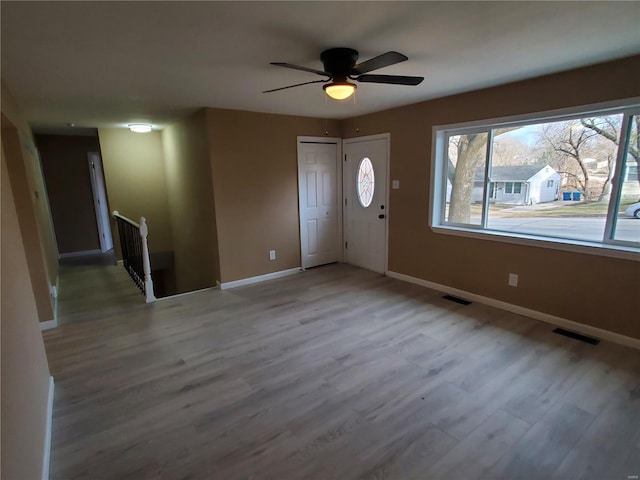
(366, 209)
(319, 201)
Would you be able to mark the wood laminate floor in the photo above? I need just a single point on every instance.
(88, 292)
(335, 373)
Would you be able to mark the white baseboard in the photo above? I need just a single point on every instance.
(81, 253)
(49, 324)
(46, 457)
(259, 278)
(187, 293)
(527, 312)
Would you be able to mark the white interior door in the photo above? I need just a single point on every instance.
(319, 200)
(366, 201)
(100, 201)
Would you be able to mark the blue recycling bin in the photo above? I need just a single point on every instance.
(576, 196)
(566, 196)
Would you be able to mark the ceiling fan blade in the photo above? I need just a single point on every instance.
(391, 79)
(381, 61)
(296, 85)
(298, 67)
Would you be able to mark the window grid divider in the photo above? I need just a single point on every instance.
(616, 180)
(487, 178)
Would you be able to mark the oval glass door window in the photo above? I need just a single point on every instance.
(366, 182)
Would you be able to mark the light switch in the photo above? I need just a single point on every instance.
(395, 184)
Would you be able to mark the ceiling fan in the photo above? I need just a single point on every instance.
(340, 66)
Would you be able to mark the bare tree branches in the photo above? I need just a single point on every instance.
(470, 155)
(610, 130)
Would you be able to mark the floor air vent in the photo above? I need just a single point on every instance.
(576, 336)
(461, 301)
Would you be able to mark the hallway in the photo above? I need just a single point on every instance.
(94, 287)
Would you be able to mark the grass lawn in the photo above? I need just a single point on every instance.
(551, 209)
(578, 209)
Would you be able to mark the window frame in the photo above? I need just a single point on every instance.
(518, 190)
(439, 175)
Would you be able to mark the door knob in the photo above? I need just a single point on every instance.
(381, 216)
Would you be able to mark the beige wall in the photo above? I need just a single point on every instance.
(28, 221)
(35, 180)
(190, 187)
(588, 289)
(136, 182)
(25, 372)
(33, 207)
(254, 159)
(66, 171)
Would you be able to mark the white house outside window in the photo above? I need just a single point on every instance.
(564, 177)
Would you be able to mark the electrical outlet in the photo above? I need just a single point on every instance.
(513, 279)
(272, 254)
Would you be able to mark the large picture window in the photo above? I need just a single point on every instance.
(562, 177)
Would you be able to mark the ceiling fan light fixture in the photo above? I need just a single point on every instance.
(339, 91)
(140, 127)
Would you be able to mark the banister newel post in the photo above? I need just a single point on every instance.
(146, 263)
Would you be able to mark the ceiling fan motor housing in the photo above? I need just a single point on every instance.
(339, 62)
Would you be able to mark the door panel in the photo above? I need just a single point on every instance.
(312, 193)
(366, 226)
(319, 203)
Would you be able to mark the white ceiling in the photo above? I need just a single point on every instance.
(112, 63)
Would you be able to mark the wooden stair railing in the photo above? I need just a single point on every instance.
(135, 253)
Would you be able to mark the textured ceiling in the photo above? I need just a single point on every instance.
(112, 63)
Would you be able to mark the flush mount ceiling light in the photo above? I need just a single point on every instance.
(140, 127)
(339, 90)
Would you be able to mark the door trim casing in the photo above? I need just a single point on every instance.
(366, 138)
(97, 188)
(338, 143)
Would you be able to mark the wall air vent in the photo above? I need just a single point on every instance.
(461, 301)
(576, 336)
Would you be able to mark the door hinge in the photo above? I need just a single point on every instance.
(345, 157)
(345, 202)
(93, 165)
(346, 245)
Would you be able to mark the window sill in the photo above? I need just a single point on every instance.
(577, 246)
